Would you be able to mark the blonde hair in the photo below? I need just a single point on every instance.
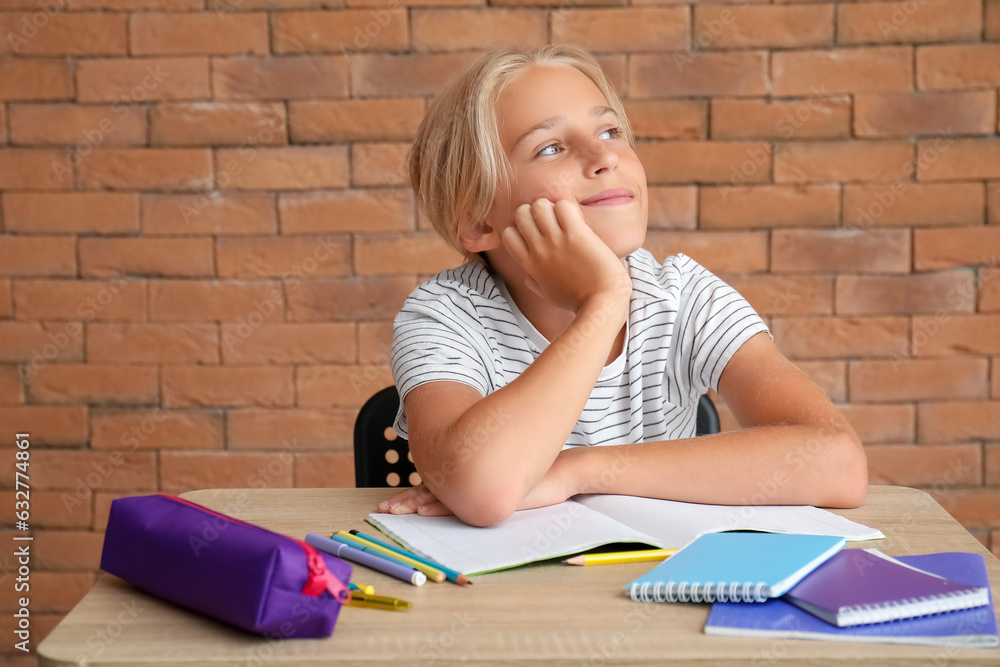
(457, 164)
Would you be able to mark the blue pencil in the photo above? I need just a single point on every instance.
(347, 552)
(452, 575)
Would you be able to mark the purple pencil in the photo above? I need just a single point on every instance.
(347, 552)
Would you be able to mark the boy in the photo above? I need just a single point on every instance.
(561, 334)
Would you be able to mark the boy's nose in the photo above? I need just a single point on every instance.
(600, 157)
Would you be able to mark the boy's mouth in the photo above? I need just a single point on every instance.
(611, 197)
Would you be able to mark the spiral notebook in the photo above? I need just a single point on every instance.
(861, 586)
(747, 567)
(778, 619)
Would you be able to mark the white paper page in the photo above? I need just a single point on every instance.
(876, 552)
(527, 536)
(676, 524)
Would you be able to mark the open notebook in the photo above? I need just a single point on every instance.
(589, 521)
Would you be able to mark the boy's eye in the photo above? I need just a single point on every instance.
(545, 151)
(554, 148)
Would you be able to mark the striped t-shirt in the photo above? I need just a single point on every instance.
(684, 324)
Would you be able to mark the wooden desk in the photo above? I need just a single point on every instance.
(548, 614)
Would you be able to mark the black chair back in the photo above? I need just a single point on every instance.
(381, 458)
(708, 417)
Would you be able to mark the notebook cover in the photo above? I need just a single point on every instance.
(717, 565)
(870, 587)
(970, 628)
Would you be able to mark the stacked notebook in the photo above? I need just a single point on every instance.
(973, 627)
(860, 587)
(807, 587)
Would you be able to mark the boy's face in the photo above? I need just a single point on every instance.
(562, 140)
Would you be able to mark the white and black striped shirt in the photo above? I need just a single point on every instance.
(684, 324)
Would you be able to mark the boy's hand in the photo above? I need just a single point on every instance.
(567, 263)
(417, 500)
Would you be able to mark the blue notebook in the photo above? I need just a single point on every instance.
(968, 628)
(734, 566)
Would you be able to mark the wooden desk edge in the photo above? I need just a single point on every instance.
(205, 496)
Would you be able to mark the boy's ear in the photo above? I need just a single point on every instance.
(479, 237)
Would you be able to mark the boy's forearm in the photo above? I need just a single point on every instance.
(528, 421)
(769, 465)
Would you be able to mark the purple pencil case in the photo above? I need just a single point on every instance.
(225, 568)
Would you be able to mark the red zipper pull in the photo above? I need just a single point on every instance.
(321, 579)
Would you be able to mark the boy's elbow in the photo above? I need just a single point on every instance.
(486, 516)
(851, 495)
(482, 505)
(471, 491)
(483, 511)
(850, 465)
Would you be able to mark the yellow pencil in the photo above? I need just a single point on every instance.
(622, 557)
(432, 573)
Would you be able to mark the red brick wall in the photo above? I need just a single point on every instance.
(205, 233)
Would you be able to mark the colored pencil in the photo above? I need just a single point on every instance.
(385, 556)
(452, 575)
(432, 573)
(349, 552)
(363, 588)
(621, 557)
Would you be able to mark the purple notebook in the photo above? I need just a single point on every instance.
(859, 587)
